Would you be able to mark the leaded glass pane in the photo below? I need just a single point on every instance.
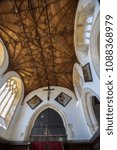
(48, 127)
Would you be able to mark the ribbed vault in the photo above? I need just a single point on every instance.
(38, 35)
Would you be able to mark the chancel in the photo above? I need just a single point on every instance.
(49, 75)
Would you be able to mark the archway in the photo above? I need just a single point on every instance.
(10, 95)
(11, 89)
(96, 107)
(4, 59)
(90, 103)
(95, 45)
(48, 126)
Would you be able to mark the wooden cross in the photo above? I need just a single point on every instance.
(49, 90)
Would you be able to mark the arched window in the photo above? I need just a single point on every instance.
(48, 127)
(4, 60)
(88, 28)
(96, 108)
(11, 89)
(2, 53)
(91, 109)
(10, 94)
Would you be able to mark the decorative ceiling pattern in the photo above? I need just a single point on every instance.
(39, 36)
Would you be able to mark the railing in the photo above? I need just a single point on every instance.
(48, 137)
(93, 144)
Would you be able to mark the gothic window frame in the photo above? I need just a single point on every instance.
(46, 129)
(67, 124)
(6, 117)
(89, 114)
(8, 105)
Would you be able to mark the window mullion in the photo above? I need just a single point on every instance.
(6, 104)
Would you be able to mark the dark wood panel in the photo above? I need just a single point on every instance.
(16, 147)
(2, 146)
(77, 146)
(96, 144)
(68, 145)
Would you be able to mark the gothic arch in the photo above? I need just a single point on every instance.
(11, 89)
(4, 59)
(78, 80)
(83, 29)
(11, 105)
(89, 114)
(95, 45)
(67, 125)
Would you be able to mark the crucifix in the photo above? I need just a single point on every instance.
(49, 90)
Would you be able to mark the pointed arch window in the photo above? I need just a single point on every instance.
(10, 94)
(11, 89)
(48, 127)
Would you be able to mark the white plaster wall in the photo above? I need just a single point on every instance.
(72, 112)
(85, 100)
(84, 3)
(5, 63)
(7, 133)
(96, 10)
(96, 81)
(95, 84)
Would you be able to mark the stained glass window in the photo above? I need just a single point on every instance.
(48, 127)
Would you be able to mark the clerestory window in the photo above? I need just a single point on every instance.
(88, 28)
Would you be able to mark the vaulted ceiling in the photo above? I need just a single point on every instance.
(39, 37)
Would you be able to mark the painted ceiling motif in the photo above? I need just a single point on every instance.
(39, 37)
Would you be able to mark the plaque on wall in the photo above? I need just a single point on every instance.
(34, 102)
(87, 73)
(63, 99)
